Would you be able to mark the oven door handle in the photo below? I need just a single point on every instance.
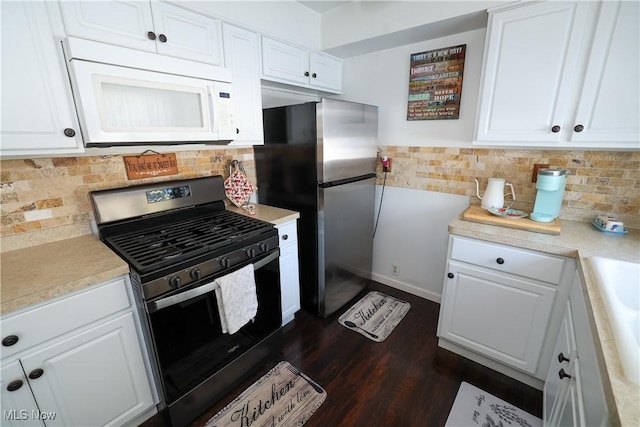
(201, 290)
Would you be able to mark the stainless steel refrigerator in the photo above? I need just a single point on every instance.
(319, 159)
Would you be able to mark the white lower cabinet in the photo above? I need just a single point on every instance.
(18, 405)
(289, 270)
(573, 390)
(500, 316)
(88, 375)
(561, 386)
(499, 302)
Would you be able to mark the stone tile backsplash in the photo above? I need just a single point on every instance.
(47, 199)
(600, 182)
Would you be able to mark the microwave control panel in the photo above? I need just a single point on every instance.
(225, 110)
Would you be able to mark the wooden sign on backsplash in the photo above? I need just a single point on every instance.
(150, 165)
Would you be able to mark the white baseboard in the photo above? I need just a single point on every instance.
(406, 287)
(492, 364)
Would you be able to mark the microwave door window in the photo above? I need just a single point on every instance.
(143, 106)
(131, 108)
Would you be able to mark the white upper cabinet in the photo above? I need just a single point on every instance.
(609, 103)
(555, 75)
(38, 116)
(326, 72)
(150, 26)
(242, 56)
(290, 64)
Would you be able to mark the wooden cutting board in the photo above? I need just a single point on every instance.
(477, 214)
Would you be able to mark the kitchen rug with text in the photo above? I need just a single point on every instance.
(375, 316)
(282, 397)
(475, 407)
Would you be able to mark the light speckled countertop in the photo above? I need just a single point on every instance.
(39, 273)
(270, 214)
(580, 240)
(36, 274)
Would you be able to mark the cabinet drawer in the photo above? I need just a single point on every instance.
(534, 265)
(288, 233)
(56, 318)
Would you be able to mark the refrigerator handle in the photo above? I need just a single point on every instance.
(346, 180)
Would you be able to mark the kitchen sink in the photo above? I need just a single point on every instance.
(619, 285)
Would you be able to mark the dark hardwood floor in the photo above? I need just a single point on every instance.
(405, 381)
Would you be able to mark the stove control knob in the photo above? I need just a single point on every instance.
(195, 274)
(225, 262)
(175, 282)
(264, 247)
(251, 252)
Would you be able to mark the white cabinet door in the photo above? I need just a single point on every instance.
(326, 72)
(609, 108)
(570, 403)
(556, 74)
(188, 35)
(594, 408)
(575, 399)
(500, 316)
(16, 400)
(37, 106)
(284, 62)
(289, 282)
(96, 377)
(150, 26)
(530, 61)
(557, 393)
(124, 23)
(242, 55)
(289, 270)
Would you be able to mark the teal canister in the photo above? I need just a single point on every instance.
(550, 184)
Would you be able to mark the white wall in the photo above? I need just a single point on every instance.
(361, 20)
(412, 230)
(382, 79)
(412, 233)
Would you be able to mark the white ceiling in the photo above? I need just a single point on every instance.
(321, 6)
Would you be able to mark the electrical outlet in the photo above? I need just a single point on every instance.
(386, 164)
(395, 269)
(536, 166)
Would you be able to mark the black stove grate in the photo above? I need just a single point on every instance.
(153, 248)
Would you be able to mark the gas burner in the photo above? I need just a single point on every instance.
(172, 256)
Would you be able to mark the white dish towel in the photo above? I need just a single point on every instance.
(237, 299)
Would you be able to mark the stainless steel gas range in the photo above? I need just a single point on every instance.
(178, 238)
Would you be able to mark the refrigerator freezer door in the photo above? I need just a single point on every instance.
(345, 242)
(347, 139)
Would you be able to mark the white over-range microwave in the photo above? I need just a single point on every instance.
(128, 97)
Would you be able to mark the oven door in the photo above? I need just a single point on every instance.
(189, 343)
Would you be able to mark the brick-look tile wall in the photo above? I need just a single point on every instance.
(41, 194)
(52, 193)
(600, 182)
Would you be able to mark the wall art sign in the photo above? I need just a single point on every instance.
(150, 165)
(435, 83)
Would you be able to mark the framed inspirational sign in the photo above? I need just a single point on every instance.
(435, 84)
